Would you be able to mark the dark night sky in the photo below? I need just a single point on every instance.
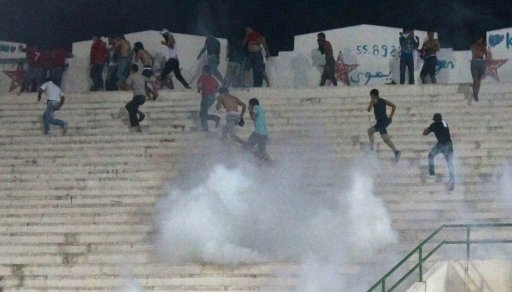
(52, 23)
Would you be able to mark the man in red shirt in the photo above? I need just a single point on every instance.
(254, 41)
(36, 74)
(208, 86)
(98, 58)
(58, 64)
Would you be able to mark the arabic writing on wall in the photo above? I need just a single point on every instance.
(444, 64)
(356, 78)
(496, 39)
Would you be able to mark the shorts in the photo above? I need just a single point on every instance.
(477, 68)
(232, 121)
(381, 126)
(147, 72)
(260, 140)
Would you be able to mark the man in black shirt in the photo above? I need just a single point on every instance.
(379, 109)
(212, 48)
(444, 145)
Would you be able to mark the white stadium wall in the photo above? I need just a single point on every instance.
(12, 61)
(374, 49)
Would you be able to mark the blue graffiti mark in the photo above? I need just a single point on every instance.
(7, 48)
(496, 39)
(444, 64)
(368, 75)
(509, 41)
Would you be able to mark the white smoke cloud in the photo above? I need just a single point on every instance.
(248, 214)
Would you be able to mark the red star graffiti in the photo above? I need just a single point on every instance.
(16, 77)
(491, 68)
(343, 69)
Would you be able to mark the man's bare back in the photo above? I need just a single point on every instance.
(122, 47)
(145, 58)
(229, 102)
(479, 49)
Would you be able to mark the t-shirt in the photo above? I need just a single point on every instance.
(59, 58)
(137, 83)
(208, 85)
(441, 131)
(254, 36)
(53, 92)
(98, 52)
(260, 121)
(212, 46)
(38, 58)
(408, 45)
(379, 110)
(173, 53)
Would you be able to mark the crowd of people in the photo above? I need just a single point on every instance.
(124, 74)
(43, 64)
(409, 44)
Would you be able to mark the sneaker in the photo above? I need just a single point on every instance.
(141, 116)
(397, 156)
(188, 87)
(65, 128)
(431, 171)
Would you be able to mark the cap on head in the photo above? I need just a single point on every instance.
(437, 117)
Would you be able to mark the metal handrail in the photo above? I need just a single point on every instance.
(419, 249)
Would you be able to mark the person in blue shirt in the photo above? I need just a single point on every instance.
(408, 43)
(260, 135)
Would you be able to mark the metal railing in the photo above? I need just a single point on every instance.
(419, 250)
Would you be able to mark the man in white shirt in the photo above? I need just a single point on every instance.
(55, 101)
(173, 64)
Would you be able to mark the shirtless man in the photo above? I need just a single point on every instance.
(147, 70)
(233, 118)
(478, 51)
(254, 41)
(122, 52)
(325, 48)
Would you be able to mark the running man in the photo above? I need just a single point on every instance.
(260, 135)
(147, 70)
(444, 145)
(212, 48)
(137, 83)
(478, 52)
(379, 109)
(208, 86)
(233, 118)
(55, 101)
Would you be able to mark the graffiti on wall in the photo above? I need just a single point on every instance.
(364, 78)
(8, 48)
(444, 64)
(377, 50)
(496, 39)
